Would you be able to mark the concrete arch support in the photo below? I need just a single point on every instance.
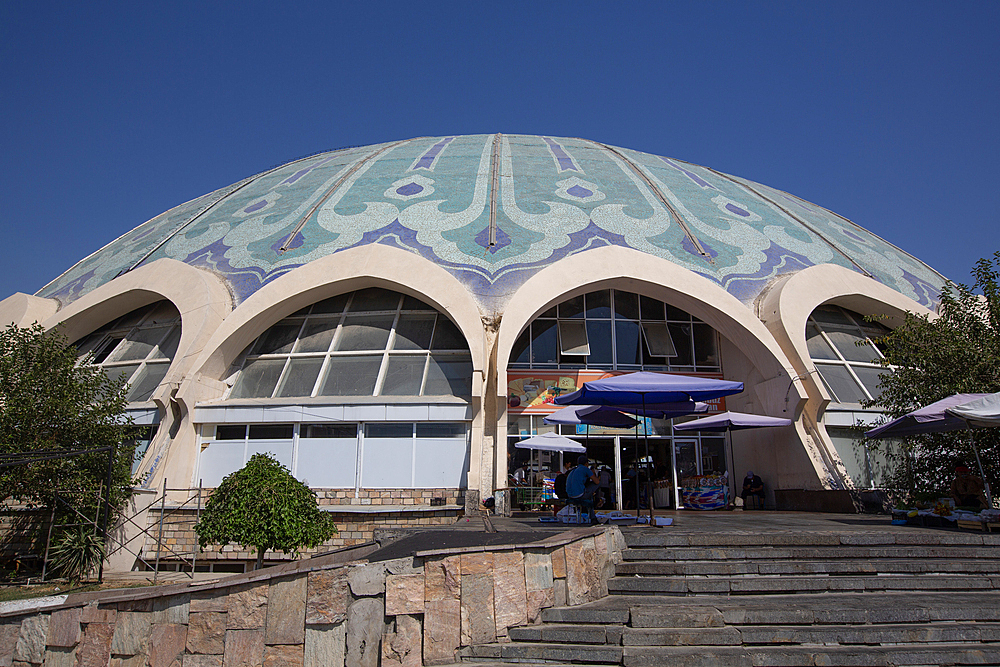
(761, 358)
(785, 308)
(203, 302)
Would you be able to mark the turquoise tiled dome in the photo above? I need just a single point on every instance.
(493, 210)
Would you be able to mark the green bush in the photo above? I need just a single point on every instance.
(76, 552)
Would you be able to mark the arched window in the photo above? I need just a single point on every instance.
(138, 347)
(616, 330)
(841, 346)
(372, 342)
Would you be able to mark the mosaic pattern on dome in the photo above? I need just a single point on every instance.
(555, 198)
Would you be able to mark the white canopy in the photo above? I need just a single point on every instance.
(551, 442)
(981, 413)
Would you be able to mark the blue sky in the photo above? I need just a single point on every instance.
(111, 113)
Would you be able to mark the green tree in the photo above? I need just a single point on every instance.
(263, 506)
(51, 403)
(928, 359)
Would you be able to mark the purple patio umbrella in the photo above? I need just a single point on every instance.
(732, 421)
(644, 388)
(933, 418)
(598, 415)
(938, 417)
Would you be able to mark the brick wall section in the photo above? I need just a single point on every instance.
(352, 527)
(319, 613)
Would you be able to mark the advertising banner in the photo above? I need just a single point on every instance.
(533, 392)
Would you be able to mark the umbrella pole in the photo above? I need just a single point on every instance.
(646, 462)
(982, 474)
(637, 510)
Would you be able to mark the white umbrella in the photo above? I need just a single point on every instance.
(980, 413)
(551, 442)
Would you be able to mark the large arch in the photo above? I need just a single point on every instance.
(200, 297)
(784, 310)
(771, 386)
(358, 268)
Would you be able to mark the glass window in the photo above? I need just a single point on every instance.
(840, 339)
(351, 376)
(448, 376)
(228, 432)
(658, 340)
(543, 343)
(329, 431)
(626, 305)
(278, 339)
(610, 329)
(651, 309)
(571, 308)
(844, 386)
(258, 379)
(599, 305)
(334, 304)
(627, 343)
(413, 332)
(381, 348)
(364, 332)
(106, 349)
(573, 337)
(300, 377)
(389, 430)
(270, 431)
(317, 335)
(374, 299)
(521, 354)
(404, 376)
(599, 340)
(441, 430)
(818, 347)
(140, 344)
(447, 336)
(146, 381)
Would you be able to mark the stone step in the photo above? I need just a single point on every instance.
(805, 567)
(769, 635)
(883, 537)
(809, 609)
(638, 585)
(827, 608)
(987, 554)
(795, 656)
(568, 633)
(561, 653)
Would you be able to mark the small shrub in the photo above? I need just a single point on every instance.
(76, 553)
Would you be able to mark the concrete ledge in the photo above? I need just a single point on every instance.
(804, 500)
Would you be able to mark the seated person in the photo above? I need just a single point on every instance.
(967, 489)
(752, 486)
(581, 484)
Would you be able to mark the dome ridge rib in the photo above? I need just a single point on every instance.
(659, 195)
(333, 188)
(791, 215)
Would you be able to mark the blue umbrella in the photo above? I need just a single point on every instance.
(598, 415)
(644, 388)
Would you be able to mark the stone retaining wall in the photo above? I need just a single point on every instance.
(318, 612)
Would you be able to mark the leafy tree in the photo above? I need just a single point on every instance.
(49, 406)
(931, 358)
(263, 506)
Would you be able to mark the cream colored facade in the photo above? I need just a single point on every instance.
(762, 345)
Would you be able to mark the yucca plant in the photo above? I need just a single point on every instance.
(76, 553)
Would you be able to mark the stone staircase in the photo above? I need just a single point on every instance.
(892, 597)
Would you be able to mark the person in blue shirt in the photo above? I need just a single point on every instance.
(581, 484)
